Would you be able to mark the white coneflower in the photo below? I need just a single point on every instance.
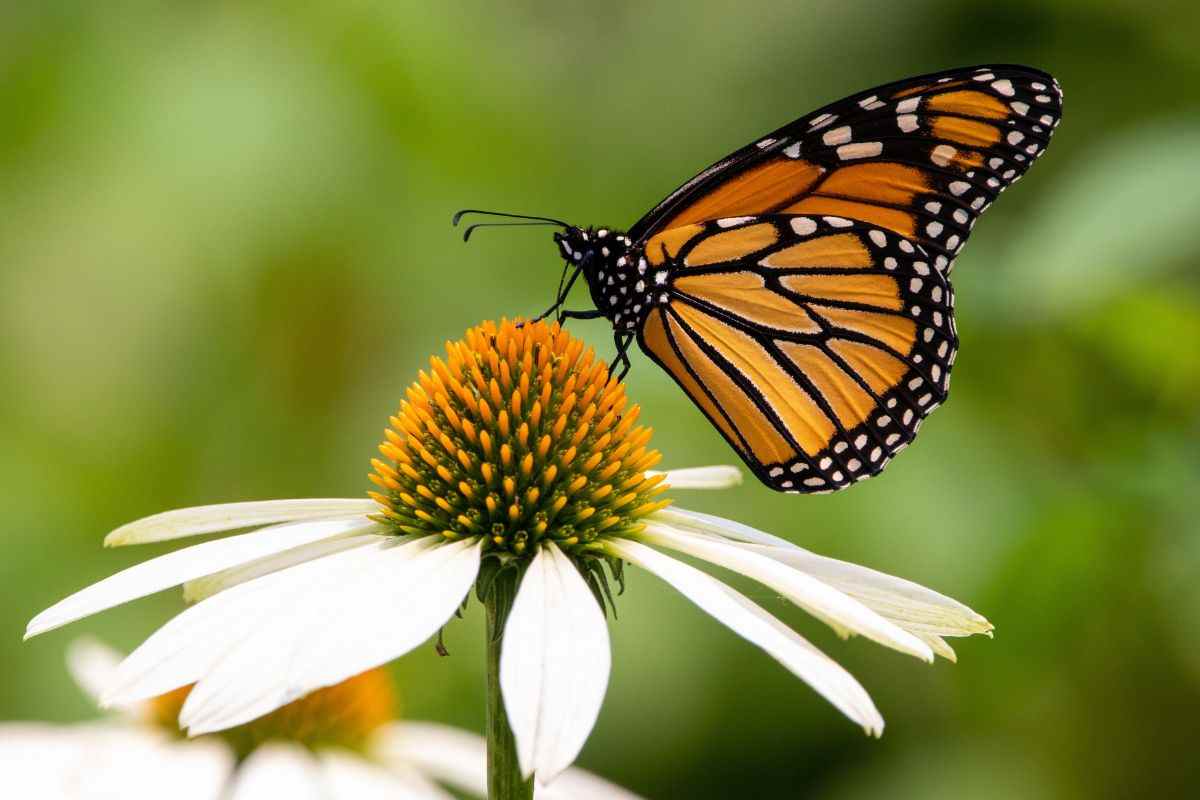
(514, 466)
(343, 742)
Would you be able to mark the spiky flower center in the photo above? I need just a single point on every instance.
(343, 715)
(519, 435)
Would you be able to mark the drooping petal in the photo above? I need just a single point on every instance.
(278, 770)
(230, 516)
(816, 597)
(720, 476)
(757, 626)
(910, 605)
(189, 645)
(554, 664)
(188, 564)
(458, 759)
(352, 621)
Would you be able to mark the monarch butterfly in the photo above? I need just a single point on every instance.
(798, 290)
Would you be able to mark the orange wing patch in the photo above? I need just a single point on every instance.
(881, 291)
(755, 191)
(970, 103)
(901, 222)
(965, 131)
(765, 441)
(883, 182)
(655, 338)
(798, 412)
(745, 295)
(849, 402)
(880, 369)
(841, 250)
(732, 244)
(895, 331)
(672, 240)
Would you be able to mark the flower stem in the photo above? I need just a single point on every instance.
(503, 768)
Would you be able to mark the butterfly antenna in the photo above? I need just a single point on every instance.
(470, 229)
(550, 220)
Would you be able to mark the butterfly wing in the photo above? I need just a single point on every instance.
(815, 344)
(922, 158)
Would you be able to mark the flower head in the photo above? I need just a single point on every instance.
(514, 464)
(518, 437)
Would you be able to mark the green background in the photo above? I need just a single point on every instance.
(225, 250)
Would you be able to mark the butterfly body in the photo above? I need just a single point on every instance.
(798, 289)
(617, 274)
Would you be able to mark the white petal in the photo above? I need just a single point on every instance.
(354, 620)
(93, 665)
(349, 776)
(458, 759)
(230, 516)
(192, 562)
(386, 619)
(721, 476)
(190, 644)
(819, 599)
(110, 760)
(448, 755)
(760, 628)
(554, 664)
(202, 588)
(278, 770)
(908, 604)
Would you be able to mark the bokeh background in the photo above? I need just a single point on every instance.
(225, 249)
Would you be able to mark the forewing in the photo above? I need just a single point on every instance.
(922, 158)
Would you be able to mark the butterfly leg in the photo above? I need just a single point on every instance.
(622, 341)
(593, 314)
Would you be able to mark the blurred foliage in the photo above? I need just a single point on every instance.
(225, 248)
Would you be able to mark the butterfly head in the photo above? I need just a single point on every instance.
(588, 248)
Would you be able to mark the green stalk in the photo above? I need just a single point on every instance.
(503, 769)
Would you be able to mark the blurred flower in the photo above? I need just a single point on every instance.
(515, 467)
(342, 742)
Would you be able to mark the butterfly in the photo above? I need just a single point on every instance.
(798, 289)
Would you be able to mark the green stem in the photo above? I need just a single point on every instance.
(503, 768)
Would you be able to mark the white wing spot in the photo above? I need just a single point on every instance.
(837, 136)
(848, 152)
(942, 155)
(804, 226)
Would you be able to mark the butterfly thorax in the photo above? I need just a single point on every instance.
(622, 284)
